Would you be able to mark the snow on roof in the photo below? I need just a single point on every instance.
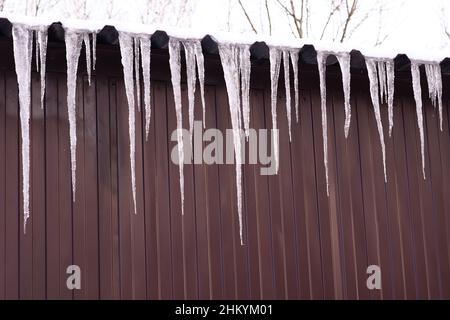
(108, 29)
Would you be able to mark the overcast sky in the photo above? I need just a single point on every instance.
(410, 23)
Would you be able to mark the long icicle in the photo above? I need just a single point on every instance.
(371, 65)
(415, 72)
(229, 56)
(73, 41)
(87, 46)
(42, 39)
(381, 65)
(294, 60)
(191, 79)
(275, 62)
(175, 71)
(137, 72)
(146, 56)
(244, 70)
(321, 63)
(287, 86)
(126, 51)
(23, 44)
(390, 72)
(201, 75)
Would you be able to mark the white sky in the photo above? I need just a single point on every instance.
(411, 24)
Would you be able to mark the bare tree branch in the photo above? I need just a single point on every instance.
(247, 16)
(334, 9)
(268, 16)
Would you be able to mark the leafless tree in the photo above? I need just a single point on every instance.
(38, 7)
(167, 12)
(339, 22)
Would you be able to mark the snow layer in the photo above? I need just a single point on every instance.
(23, 43)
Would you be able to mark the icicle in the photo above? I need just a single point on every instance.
(94, 49)
(229, 56)
(36, 49)
(275, 62)
(201, 75)
(42, 39)
(73, 47)
(87, 46)
(294, 61)
(244, 70)
(390, 87)
(344, 63)
(372, 72)
(415, 72)
(382, 80)
(145, 56)
(321, 63)
(126, 51)
(23, 44)
(287, 85)
(189, 52)
(175, 71)
(137, 73)
(434, 79)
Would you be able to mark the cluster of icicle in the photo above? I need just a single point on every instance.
(135, 51)
(194, 57)
(236, 69)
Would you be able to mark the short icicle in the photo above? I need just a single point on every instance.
(371, 65)
(244, 70)
(42, 39)
(191, 79)
(87, 46)
(229, 56)
(415, 72)
(344, 63)
(175, 71)
(145, 58)
(73, 41)
(287, 86)
(294, 60)
(275, 62)
(321, 63)
(434, 79)
(126, 51)
(137, 72)
(23, 44)
(201, 75)
(94, 49)
(390, 72)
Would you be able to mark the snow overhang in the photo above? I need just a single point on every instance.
(108, 33)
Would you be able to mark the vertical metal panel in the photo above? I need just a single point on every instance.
(299, 243)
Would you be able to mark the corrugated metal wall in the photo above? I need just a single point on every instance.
(299, 242)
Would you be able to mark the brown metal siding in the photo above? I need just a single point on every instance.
(300, 244)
